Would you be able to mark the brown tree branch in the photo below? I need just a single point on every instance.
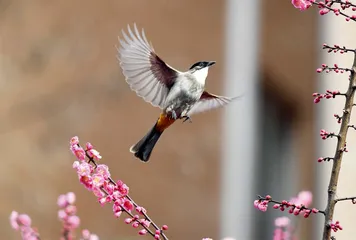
(339, 153)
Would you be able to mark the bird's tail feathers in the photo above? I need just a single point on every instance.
(143, 148)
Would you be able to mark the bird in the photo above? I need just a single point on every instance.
(178, 94)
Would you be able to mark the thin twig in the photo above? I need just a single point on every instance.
(352, 126)
(352, 199)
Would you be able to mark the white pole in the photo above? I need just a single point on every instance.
(240, 120)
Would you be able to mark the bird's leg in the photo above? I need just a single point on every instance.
(186, 118)
(171, 112)
(174, 115)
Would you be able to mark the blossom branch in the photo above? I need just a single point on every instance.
(96, 178)
(67, 214)
(341, 143)
(294, 208)
(22, 223)
(337, 48)
(325, 135)
(91, 160)
(336, 69)
(326, 7)
(338, 118)
(344, 4)
(327, 95)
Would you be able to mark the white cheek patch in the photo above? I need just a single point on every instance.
(201, 75)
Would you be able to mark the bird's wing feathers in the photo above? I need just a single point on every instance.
(209, 101)
(146, 73)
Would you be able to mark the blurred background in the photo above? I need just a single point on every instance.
(59, 77)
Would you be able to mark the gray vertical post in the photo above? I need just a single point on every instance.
(240, 122)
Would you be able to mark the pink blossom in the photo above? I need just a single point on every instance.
(335, 226)
(324, 11)
(117, 214)
(24, 220)
(117, 206)
(128, 220)
(305, 198)
(94, 154)
(87, 182)
(88, 146)
(142, 232)
(13, 220)
(73, 221)
(282, 222)
(70, 198)
(280, 234)
(76, 164)
(302, 4)
(97, 192)
(145, 222)
(93, 237)
(78, 152)
(140, 210)
(86, 235)
(61, 214)
(61, 201)
(123, 189)
(103, 170)
(128, 205)
(71, 210)
(261, 205)
(74, 141)
(97, 180)
(84, 169)
(135, 225)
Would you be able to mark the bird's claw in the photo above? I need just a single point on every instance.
(186, 118)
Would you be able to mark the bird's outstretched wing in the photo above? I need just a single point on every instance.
(146, 73)
(209, 101)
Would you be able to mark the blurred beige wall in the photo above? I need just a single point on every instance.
(59, 77)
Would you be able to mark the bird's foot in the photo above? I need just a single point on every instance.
(187, 118)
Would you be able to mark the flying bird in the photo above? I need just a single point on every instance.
(178, 94)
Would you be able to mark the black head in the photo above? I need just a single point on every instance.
(200, 65)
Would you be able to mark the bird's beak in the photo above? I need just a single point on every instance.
(211, 63)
